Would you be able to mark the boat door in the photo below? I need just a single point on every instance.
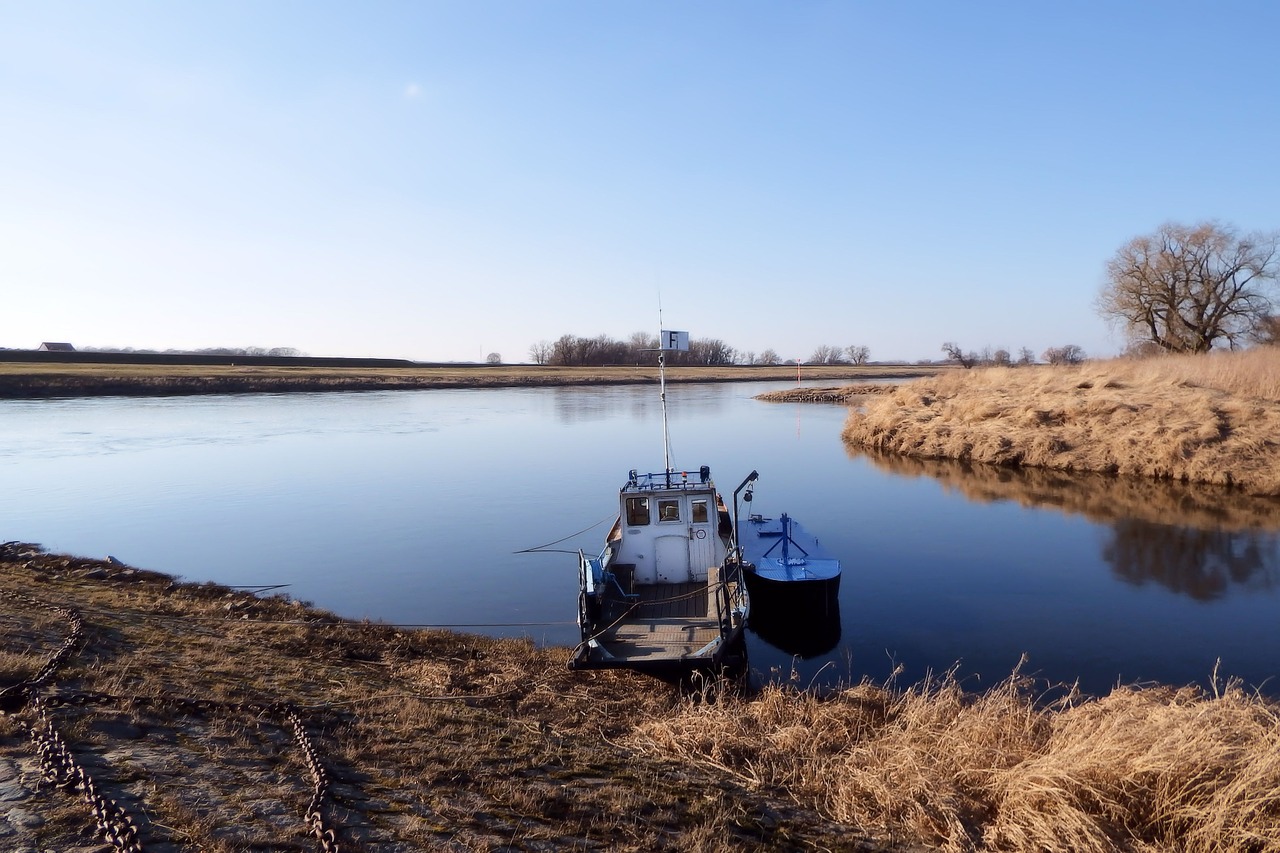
(686, 544)
(702, 537)
(671, 553)
(671, 547)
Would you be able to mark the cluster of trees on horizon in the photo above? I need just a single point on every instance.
(272, 352)
(1065, 354)
(640, 348)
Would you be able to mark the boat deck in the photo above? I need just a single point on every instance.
(670, 600)
(668, 621)
(659, 639)
(663, 629)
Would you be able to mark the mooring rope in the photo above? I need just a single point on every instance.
(537, 548)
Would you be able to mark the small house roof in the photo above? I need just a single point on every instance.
(55, 346)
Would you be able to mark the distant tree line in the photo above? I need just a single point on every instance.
(828, 354)
(641, 347)
(272, 352)
(1066, 354)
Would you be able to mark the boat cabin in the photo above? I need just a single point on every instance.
(672, 527)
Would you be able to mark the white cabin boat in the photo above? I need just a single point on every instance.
(666, 595)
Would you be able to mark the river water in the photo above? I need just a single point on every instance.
(423, 507)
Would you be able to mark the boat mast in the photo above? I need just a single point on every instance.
(667, 340)
(662, 395)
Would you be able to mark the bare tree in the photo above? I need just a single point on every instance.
(540, 352)
(858, 354)
(1268, 331)
(493, 358)
(1068, 354)
(1026, 356)
(826, 354)
(959, 356)
(768, 357)
(1001, 358)
(642, 347)
(711, 351)
(1187, 287)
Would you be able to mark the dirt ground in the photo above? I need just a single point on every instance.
(183, 717)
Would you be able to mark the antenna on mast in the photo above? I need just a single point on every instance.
(662, 392)
(667, 340)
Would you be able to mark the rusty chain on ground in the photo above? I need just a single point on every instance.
(325, 835)
(58, 764)
(15, 697)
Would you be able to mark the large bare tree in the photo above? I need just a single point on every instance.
(1188, 287)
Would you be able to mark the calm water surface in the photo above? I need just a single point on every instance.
(414, 507)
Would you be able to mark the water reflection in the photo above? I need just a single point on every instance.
(1200, 563)
(795, 629)
(582, 404)
(1198, 541)
(587, 404)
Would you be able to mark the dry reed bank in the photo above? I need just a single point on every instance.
(1142, 769)
(847, 394)
(437, 740)
(19, 380)
(1206, 419)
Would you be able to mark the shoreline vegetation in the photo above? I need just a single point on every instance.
(431, 739)
(35, 380)
(1212, 419)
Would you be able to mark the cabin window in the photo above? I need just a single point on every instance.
(700, 512)
(637, 511)
(669, 510)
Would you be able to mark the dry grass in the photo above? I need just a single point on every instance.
(435, 740)
(34, 380)
(1140, 769)
(1205, 419)
(445, 741)
(847, 394)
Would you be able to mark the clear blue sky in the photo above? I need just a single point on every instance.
(441, 180)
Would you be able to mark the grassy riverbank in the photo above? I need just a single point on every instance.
(35, 380)
(847, 394)
(1205, 418)
(437, 740)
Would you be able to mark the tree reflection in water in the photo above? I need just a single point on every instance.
(1198, 541)
(1196, 562)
